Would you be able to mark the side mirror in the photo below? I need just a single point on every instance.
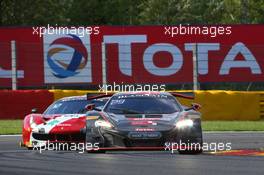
(196, 106)
(90, 107)
(34, 110)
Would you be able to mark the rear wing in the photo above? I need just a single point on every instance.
(92, 96)
(187, 95)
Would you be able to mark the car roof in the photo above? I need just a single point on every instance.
(82, 97)
(142, 93)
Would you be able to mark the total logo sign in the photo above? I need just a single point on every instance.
(125, 62)
(67, 58)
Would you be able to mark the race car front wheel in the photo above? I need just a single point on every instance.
(94, 137)
(191, 140)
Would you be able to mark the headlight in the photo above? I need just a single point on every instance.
(32, 123)
(184, 123)
(102, 123)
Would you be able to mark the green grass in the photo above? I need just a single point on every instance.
(15, 126)
(233, 125)
(10, 126)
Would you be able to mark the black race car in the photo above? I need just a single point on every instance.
(144, 120)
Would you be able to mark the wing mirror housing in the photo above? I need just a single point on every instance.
(196, 106)
(91, 107)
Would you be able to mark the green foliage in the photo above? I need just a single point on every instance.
(191, 12)
(33, 12)
(130, 12)
(98, 12)
(233, 125)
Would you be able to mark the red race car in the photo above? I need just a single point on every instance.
(62, 121)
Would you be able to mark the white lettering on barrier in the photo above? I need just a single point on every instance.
(124, 49)
(165, 47)
(230, 62)
(202, 56)
(125, 64)
(8, 73)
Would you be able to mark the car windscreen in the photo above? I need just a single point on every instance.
(67, 107)
(142, 105)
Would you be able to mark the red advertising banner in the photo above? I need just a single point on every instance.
(29, 54)
(133, 54)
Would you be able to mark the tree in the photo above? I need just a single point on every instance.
(171, 12)
(129, 12)
(34, 12)
(99, 12)
(256, 12)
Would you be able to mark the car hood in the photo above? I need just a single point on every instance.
(65, 123)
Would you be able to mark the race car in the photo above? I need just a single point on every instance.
(63, 121)
(144, 120)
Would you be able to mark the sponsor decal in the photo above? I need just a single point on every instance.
(53, 122)
(144, 135)
(144, 129)
(67, 58)
(64, 124)
(135, 55)
(144, 119)
(143, 122)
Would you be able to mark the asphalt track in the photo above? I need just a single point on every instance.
(16, 160)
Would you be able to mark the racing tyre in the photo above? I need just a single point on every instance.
(94, 137)
(195, 139)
